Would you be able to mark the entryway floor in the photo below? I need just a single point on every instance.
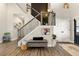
(11, 49)
(71, 48)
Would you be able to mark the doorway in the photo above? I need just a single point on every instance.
(74, 31)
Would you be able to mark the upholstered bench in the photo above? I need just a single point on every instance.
(37, 43)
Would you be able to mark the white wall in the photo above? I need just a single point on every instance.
(3, 19)
(9, 13)
(14, 10)
(71, 13)
(7, 20)
(24, 7)
(62, 30)
(11, 18)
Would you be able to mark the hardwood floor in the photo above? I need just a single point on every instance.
(73, 49)
(11, 49)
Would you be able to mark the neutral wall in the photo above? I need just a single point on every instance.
(8, 16)
(7, 12)
(62, 30)
(3, 19)
(11, 18)
(7, 19)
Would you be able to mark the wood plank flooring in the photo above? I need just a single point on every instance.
(11, 49)
(73, 49)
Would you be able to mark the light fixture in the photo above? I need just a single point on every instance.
(66, 5)
(50, 10)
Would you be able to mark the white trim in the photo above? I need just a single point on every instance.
(10, 40)
(14, 39)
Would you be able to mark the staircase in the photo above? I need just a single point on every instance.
(28, 26)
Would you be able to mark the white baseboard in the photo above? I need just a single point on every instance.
(10, 40)
(65, 41)
(72, 41)
(14, 39)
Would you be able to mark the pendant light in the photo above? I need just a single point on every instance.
(66, 5)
